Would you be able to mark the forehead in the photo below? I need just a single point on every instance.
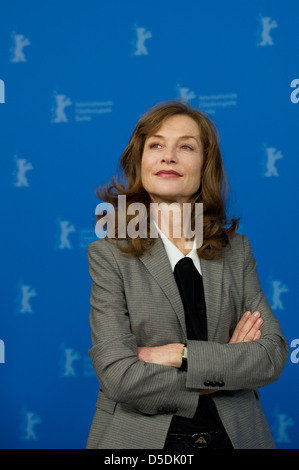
(178, 125)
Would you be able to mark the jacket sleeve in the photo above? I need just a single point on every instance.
(150, 388)
(248, 365)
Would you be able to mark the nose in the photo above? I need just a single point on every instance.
(169, 156)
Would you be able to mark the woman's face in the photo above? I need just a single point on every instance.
(172, 161)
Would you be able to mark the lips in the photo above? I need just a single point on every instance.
(168, 173)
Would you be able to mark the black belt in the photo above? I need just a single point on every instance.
(199, 440)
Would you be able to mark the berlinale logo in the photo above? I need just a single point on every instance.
(2, 94)
(142, 35)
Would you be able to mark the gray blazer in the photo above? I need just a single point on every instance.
(136, 302)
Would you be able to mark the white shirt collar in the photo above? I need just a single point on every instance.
(175, 255)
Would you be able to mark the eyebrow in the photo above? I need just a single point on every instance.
(181, 137)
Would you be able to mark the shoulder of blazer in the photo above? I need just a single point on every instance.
(237, 251)
(107, 249)
(237, 244)
(103, 245)
(236, 239)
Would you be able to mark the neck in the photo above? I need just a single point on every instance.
(171, 224)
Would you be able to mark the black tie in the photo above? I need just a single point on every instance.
(190, 286)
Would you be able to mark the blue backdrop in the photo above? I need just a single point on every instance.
(75, 78)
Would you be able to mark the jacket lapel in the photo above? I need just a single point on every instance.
(212, 271)
(157, 263)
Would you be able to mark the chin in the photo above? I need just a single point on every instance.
(169, 198)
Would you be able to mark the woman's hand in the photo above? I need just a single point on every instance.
(168, 355)
(248, 328)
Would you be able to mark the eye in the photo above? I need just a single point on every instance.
(155, 145)
(186, 147)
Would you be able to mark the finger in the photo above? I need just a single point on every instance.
(239, 327)
(250, 327)
(257, 335)
(244, 326)
(254, 330)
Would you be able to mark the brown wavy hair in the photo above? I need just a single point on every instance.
(213, 191)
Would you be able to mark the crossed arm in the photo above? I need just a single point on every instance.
(248, 329)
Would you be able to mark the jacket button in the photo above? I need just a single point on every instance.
(167, 410)
(220, 384)
(207, 383)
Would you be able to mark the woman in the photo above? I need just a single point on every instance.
(178, 369)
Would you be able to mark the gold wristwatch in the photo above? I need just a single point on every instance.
(185, 353)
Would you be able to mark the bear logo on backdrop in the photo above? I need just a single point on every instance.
(61, 102)
(185, 93)
(272, 156)
(29, 421)
(65, 228)
(17, 52)
(208, 103)
(26, 293)
(69, 356)
(266, 26)
(281, 425)
(65, 241)
(22, 167)
(142, 35)
(278, 289)
(74, 364)
(83, 110)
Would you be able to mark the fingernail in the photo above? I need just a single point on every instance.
(256, 314)
(259, 322)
